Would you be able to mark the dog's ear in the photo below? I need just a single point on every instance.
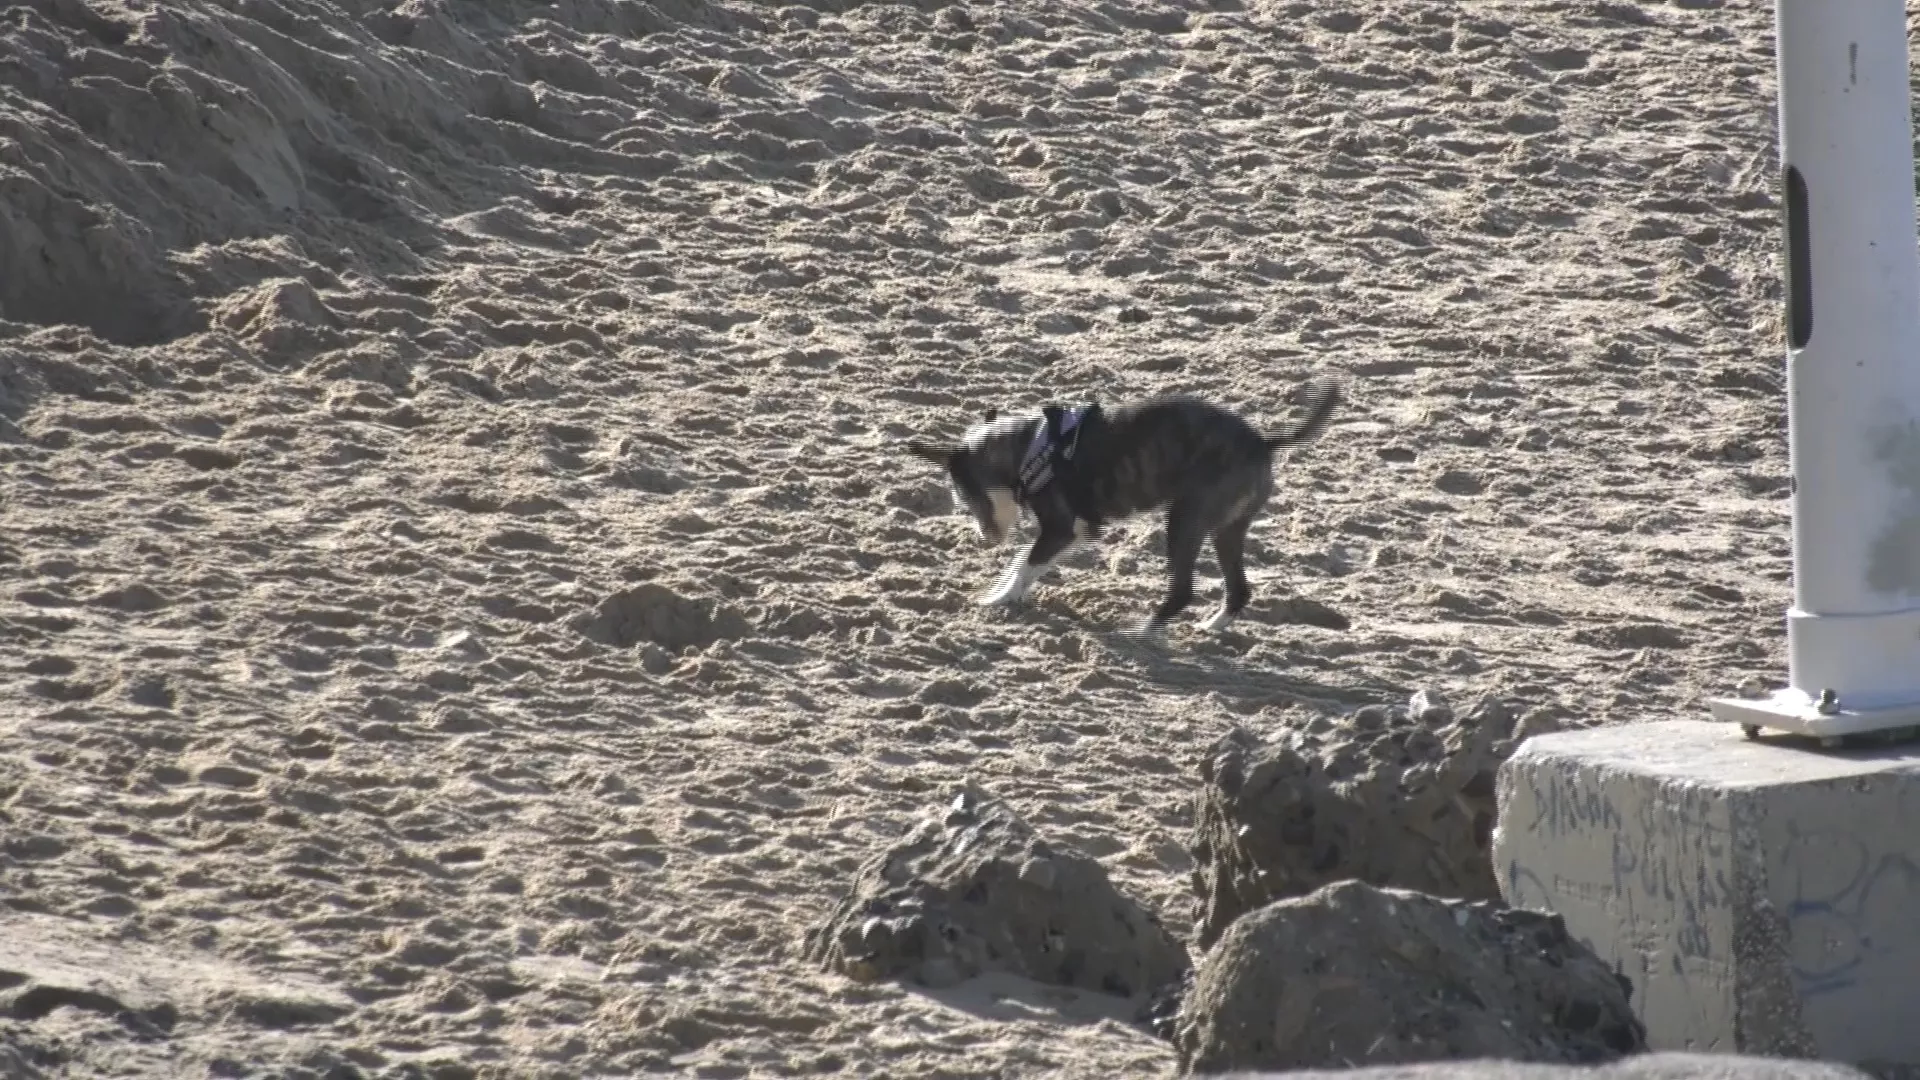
(938, 453)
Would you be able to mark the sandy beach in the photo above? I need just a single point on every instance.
(465, 605)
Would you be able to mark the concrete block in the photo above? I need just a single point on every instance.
(1763, 897)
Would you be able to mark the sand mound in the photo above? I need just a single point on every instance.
(457, 546)
(1397, 797)
(1353, 975)
(652, 613)
(972, 890)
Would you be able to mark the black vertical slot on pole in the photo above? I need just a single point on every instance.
(1799, 263)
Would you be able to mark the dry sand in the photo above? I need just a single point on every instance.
(458, 563)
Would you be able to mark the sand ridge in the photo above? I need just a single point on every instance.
(457, 546)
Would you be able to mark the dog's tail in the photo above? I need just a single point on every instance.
(1326, 398)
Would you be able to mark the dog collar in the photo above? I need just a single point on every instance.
(1051, 450)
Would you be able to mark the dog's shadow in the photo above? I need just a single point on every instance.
(1180, 659)
(1174, 664)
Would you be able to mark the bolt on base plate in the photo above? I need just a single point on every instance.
(1828, 719)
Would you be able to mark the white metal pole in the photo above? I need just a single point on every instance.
(1853, 372)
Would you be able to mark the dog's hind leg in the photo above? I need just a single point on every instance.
(1230, 545)
(1184, 537)
(1025, 569)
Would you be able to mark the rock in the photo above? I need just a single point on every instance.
(973, 889)
(1356, 975)
(1160, 1013)
(1385, 798)
(1428, 707)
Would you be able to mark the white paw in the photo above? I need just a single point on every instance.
(1003, 595)
(1014, 584)
(1012, 589)
(1220, 621)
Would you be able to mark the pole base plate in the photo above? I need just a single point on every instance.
(1836, 726)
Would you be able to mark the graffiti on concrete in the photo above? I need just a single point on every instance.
(1844, 894)
(1671, 856)
(1848, 903)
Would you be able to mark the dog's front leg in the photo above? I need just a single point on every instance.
(1056, 536)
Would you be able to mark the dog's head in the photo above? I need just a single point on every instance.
(984, 469)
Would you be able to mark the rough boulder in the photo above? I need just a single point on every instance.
(1355, 975)
(973, 889)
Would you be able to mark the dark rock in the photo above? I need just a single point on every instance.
(1160, 1013)
(972, 889)
(1355, 975)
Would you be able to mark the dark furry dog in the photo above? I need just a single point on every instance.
(1075, 469)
